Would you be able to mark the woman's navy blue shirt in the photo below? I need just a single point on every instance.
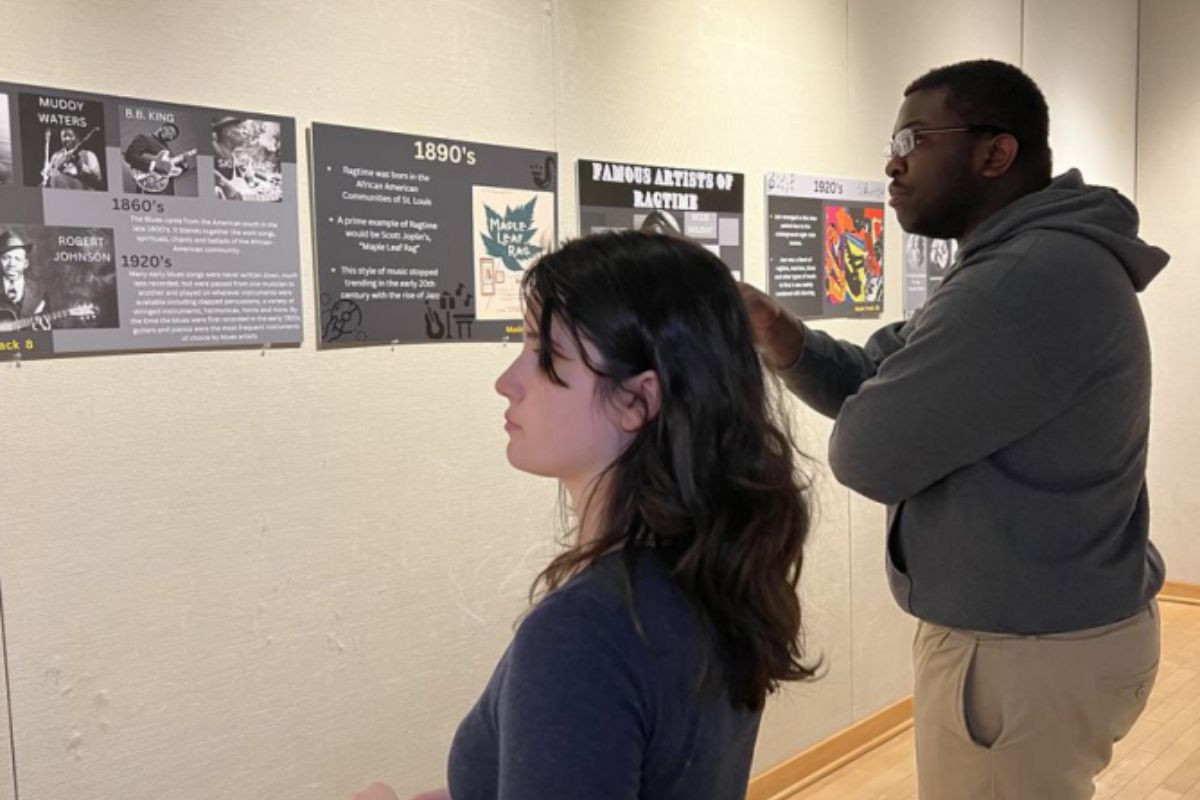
(584, 706)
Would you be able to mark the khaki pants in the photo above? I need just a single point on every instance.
(1002, 717)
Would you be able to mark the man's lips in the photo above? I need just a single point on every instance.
(896, 194)
(509, 425)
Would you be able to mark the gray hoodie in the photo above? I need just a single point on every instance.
(1006, 423)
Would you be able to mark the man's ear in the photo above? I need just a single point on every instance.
(638, 401)
(999, 154)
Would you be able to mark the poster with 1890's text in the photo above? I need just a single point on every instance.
(423, 239)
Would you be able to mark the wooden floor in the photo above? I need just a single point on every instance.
(1159, 760)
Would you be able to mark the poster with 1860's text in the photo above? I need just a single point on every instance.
(130, 224)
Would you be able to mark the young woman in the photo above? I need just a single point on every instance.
(642, 670)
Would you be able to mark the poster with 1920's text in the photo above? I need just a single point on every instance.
(129, 224)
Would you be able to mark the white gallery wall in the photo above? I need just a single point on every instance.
(1168, 174)
(243, 575)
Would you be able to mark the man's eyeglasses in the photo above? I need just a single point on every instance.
(906, 140)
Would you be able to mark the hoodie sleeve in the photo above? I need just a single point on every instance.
(830, 370)
(998, 352)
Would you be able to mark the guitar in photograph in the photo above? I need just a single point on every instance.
(162, 170)
(9, 321)
(248, 183)
(71, 167)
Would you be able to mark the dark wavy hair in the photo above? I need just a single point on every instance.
(713, 478)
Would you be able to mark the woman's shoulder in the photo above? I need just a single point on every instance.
(581, 644)
(619, 608)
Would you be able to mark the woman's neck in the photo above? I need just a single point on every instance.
(588, 502)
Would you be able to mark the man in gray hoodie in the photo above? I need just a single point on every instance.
(1005, 426)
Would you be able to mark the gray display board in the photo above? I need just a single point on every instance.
(704, 205)
(421, 239)
(925, 264)
(825, 245)
(129, 224)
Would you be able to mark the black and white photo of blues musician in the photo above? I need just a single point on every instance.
(62, 142)
(246, 159)
(154, 166)
(72, 165)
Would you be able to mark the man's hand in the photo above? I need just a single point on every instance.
(778, 335)
(225, 188)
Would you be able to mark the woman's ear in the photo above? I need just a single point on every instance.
(638, 401)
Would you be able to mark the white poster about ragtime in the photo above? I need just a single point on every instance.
(513, 228)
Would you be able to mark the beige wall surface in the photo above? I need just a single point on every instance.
(1084, 53)
(1168, 174)
(282, 574)
(8, 783)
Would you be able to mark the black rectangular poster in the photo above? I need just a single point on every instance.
(421, 239)
(825, 245)
(704, 205)
(130, 224)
